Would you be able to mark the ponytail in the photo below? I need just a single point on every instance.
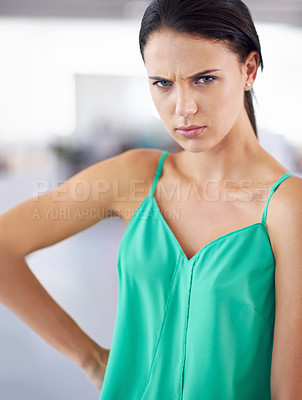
(249, 106)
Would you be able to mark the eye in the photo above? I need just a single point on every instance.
(206, 79)
(162, 84)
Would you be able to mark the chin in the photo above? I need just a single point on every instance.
(194, 147)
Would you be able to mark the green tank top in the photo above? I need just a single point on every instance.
(192, 329)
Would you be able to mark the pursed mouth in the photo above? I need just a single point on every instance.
(191, 131)
(189, 128)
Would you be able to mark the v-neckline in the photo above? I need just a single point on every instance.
(209, 243)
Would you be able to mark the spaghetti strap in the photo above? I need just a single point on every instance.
(158, 171)
(272, 190)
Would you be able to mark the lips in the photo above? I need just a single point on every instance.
(191, 130)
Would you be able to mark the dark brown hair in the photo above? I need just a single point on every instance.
(226, 20)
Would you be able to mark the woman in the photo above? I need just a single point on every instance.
(210, 300)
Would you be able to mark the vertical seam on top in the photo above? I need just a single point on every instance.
(163, 324)
(185, 335)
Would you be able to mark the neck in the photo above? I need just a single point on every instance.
(231, 159)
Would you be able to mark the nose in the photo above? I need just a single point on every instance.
(185, 103)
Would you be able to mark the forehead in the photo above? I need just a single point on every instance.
(169, 50)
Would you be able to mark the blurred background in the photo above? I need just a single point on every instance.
(73, 91)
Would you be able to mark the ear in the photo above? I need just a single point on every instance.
(251, 68)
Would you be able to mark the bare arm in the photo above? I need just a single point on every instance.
(29, 227)
(286, 371)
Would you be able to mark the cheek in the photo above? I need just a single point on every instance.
(163, 105)
(226, 102)
(155, 98)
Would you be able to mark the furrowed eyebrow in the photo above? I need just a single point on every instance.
(207, 71)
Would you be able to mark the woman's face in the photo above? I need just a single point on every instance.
(185, 94)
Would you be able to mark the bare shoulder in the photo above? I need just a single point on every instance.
(127, 177)
(284, 217)
(141, 161)
(134, 174)
(135, 165)
(96, 192)
(124, 168)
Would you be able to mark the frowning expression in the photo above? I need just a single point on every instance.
(195, 83)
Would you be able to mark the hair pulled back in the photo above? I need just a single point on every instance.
(226, 20)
